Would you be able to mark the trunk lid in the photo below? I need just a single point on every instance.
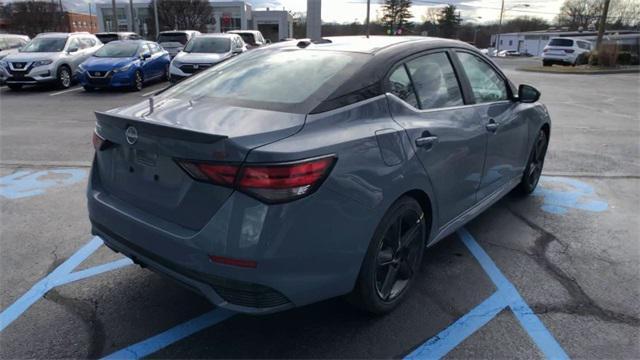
(141, 167)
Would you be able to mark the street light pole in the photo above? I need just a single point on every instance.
(155, 14)
(368, 14)
(499, 28)
(114, 18)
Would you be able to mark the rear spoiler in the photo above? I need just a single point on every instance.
(119, 122)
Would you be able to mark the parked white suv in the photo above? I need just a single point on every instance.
(204, 51)
(49, 58)
(565, 51)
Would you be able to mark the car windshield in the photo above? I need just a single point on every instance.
(208, 45)
(117, 50)
(248, 38)
(561, 42)
(292, 80)
(45, 45)
(173, 38)
(105, 38)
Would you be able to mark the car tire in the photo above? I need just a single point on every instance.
(390, 267)
(546, 63)
(89, 88)
(533, 170)
(64, 77)
(138, 81)
(15, 87)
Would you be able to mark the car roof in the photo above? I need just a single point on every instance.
(120, 42)
(243, 32)
(116, 33)
(62, 34)
(220, 35)
(373, 44)
(178, 32)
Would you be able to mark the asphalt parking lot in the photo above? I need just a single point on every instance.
(556, 274)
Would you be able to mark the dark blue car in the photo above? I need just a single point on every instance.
(124, 64)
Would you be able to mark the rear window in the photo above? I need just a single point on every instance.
(181, 38)
(105, 38)
(561, 42)
(208, 45)
(248, 38)
(290, 80)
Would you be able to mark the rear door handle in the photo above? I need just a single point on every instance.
(426, 142)
(492, 126)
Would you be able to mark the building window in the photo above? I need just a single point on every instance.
(510, 42)
(229, 23)
(500, 41)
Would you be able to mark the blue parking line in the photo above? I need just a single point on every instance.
(61, 275)
(439, 345)
(506, 296)
(177, 333)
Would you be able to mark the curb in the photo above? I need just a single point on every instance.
(585, 72)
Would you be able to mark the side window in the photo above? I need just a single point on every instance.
(435, 81)
(145, 49)
(73, 43)
(401, 86)
(486, 84)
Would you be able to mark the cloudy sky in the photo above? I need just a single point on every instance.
(350, 10)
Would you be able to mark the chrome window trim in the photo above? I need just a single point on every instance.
(422, 111)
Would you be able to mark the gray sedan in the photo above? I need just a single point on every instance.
(301, 171)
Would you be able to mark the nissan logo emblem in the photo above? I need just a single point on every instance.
(131, 134)
(196, 66)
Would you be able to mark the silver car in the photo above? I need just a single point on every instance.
(203, 52)
(49, 58)
(10, 44)
(174, 41)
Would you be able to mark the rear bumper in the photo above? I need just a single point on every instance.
(306, 251)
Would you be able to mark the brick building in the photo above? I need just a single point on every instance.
(80, 22)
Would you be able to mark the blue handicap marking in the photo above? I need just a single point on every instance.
(62, 275)
(561, 194)
(26, 183)
(506, 297)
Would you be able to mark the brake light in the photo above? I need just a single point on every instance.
(545, 50)
(234, 262)
(99, 143)
(569, 51)
(272, 183)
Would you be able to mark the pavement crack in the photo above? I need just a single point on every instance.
(87, 311)
(581, 303)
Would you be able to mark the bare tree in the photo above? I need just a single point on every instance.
(624, 13)
(34, 17)
(396, 14)
(580, 13)
(184, 14)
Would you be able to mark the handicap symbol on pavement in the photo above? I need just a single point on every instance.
(560, 194)
(26, 183)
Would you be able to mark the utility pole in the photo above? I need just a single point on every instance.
(155, 14)
(368, 15)
(114, 17)
(499, 28)
(90, 19)
(603, 23)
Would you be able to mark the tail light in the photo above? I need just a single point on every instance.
(545, 50)
(271, 183)
(569, 51)
(99, 143)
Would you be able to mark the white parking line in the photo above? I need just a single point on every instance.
(150, 93)
(66, 91)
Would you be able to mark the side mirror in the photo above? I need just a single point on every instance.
(237, 51)
(528, 94)
(145, 56)
(267, 41)
(72, 49)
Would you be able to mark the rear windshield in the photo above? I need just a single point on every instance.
(561, 42)
(248, 38)
(117, 50)
(105, 38)
(208, 45)
(285, 80)
(173, 37)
